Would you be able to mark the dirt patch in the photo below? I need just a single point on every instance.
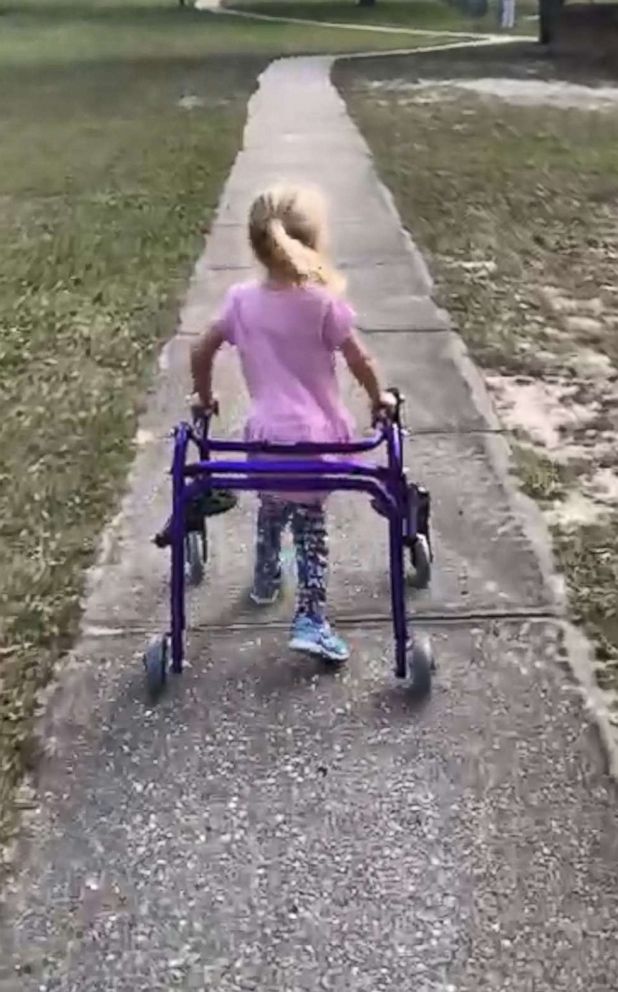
(543, 410)
(519, 92)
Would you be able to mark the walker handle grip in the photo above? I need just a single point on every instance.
(391, 416)
(200, 412)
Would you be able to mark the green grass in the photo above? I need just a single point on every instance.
(480, 179)
(531, 192)
(589, 557)
(51, 32)
(425, 15)
(541, 478)
(106, 184)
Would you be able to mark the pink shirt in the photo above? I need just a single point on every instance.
(286, 339)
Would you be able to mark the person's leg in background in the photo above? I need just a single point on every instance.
(508, 15)
(311, 632)
(273, 517)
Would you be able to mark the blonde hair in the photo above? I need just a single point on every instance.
(287, 231)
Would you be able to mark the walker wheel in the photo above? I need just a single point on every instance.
(421, 666)
(155, 663)
(195, 557)
(421, 562)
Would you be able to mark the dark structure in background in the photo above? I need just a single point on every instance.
(549, 15)
(586, 30)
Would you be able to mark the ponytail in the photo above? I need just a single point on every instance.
(292, 257)
(286, 233)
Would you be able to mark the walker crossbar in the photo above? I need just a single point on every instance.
(357, 447)
(280, 484)
(297, 466)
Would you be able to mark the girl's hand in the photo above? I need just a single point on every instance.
(198, 406)
(386, 406)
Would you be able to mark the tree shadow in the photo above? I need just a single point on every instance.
(518, 60)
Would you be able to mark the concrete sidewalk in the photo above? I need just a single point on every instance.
(272, 827)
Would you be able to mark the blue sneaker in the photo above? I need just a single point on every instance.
(315, 637)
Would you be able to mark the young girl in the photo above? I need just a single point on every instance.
(286, 329)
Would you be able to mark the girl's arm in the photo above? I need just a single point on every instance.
(364, 369)
(202, 360)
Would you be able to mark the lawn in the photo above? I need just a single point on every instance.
(423, 15)
(517, 208)
(107, 180)
(51, 32)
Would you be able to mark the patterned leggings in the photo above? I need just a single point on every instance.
(311, 543)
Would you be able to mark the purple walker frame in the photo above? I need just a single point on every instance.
(405, 505)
